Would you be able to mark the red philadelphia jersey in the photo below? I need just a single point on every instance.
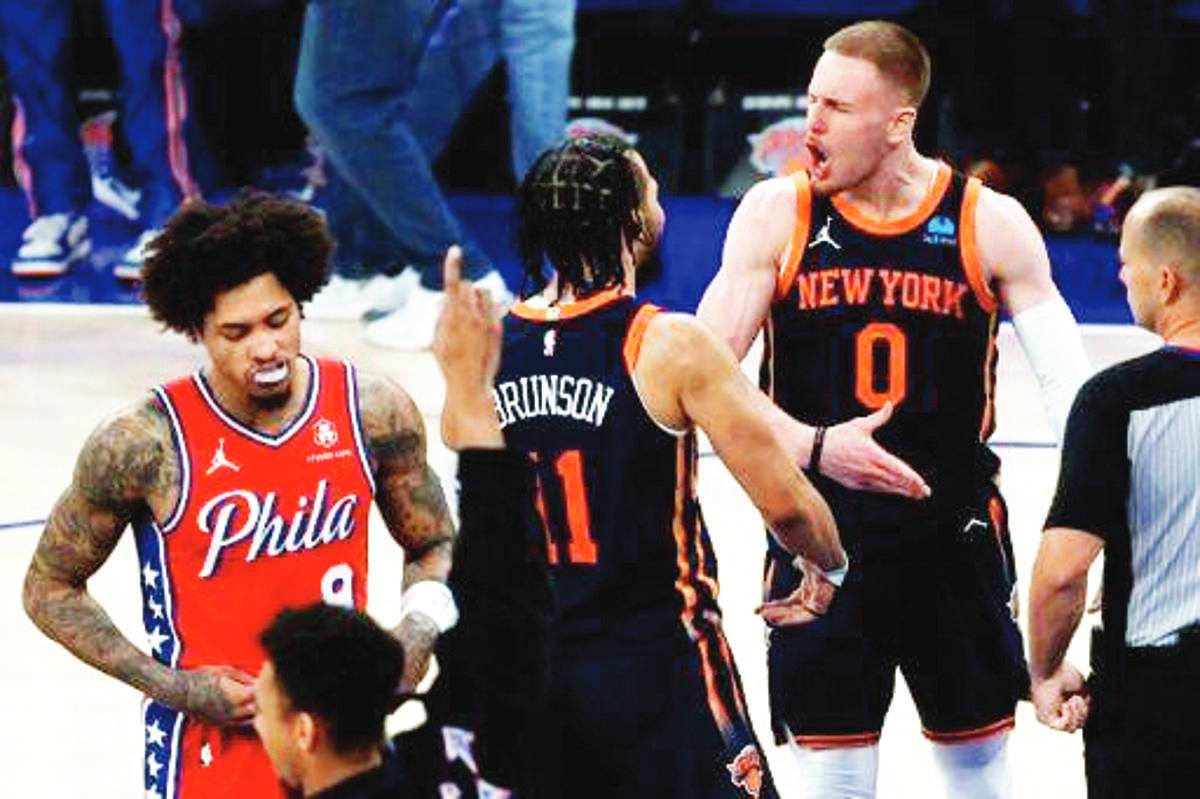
(262, 522)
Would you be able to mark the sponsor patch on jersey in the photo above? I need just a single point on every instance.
(941, 230)
(325, 433)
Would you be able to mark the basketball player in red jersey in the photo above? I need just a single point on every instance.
(247, 485)
(877, 275)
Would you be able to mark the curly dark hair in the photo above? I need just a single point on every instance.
(206, 249)
(576, 205)
(339, 665)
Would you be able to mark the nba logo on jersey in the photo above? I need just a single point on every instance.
(325, 433)
(549, 343)
(940, 230)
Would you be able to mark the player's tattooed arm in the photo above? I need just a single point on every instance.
(407, 490)
(411, 501)
(124, 462)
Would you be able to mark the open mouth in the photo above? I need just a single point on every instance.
(270, 376)
(820, 160)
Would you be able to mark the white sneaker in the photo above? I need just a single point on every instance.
(130, 266)
(350, 298)
(386, 293)
(110, 191)
(494, 284)
(411, 326)
(51, 244)
(339, 299)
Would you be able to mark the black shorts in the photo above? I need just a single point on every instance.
(665, 721)
(944, 615)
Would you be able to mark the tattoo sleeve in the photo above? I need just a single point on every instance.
(408, 493)
(122, 463)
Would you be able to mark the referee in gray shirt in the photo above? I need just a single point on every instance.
(1130, 484)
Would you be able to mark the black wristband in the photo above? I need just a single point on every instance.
(814, 459)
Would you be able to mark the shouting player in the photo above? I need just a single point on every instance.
(878, 274)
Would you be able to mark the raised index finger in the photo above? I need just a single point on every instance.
(452, 268)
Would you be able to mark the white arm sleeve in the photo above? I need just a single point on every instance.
(1051, 341)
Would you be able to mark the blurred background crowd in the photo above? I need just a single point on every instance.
(388, 113)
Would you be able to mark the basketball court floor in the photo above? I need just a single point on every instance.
(70, 731)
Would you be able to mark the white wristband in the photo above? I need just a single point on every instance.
(834, 576)
(431, 598)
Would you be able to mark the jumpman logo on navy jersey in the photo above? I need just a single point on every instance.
(823, 237)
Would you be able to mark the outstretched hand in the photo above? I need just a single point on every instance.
(853, 458)
(810, 601)
(466, 344)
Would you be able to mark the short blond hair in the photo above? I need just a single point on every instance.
(1169, 226)
(894, 50)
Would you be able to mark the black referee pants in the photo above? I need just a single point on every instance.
(1142, 738)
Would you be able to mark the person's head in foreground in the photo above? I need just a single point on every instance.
(328, 682)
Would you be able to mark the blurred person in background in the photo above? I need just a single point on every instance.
(381, 84)
(48, 159)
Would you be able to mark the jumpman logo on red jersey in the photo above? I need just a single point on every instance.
(219, 460)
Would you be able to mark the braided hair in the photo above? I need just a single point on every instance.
(576, 208)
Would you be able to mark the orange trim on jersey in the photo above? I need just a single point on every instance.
(633, 338)
(987, 425)
(731, 670)
(683, 582)
(794, 253)
(716, 705)
(964, 736)
(970, 248)
(893, 227)
(570, 309)
(698, 533)
(998, 514)
(836, 741)
(769, 355)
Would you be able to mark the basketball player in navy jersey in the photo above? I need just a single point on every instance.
(605, 393)
(877, 276)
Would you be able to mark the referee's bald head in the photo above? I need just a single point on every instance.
(1165, 224)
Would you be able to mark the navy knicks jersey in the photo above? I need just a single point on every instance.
(868, 312)
(616, 495)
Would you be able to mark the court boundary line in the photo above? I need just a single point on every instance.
(19, 525)
(73, 309)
